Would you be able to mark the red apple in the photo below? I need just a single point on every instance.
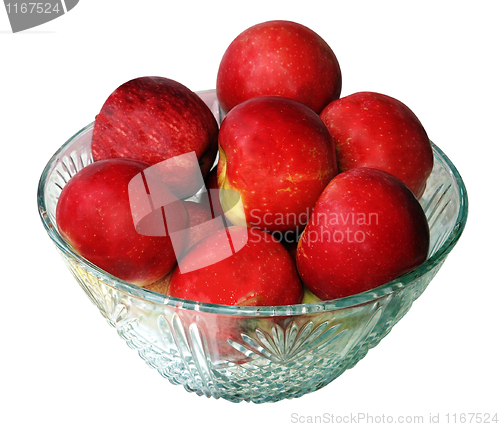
(367, 229)
(155, 119)
(237, 266)
(279, 58)
(277, 157)
(114, 227)
(374, 130)
(202, 223)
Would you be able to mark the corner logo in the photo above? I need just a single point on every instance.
(25, 14)
(155, 195)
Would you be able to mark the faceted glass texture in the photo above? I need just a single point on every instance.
(257, 354)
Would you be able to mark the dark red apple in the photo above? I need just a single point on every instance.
(237, 266)
(367, 229)
(279, 58)
(375, 130)
(277, 156)
(155, 119)
(114, 227)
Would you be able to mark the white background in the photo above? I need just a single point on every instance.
(62, 365)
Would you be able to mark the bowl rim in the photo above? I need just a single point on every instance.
(269, 311)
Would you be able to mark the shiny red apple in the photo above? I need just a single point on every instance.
(277, 156)
(237, 266)
(279, 58)
(155, 119)
(367, 229)
(375, 130)
(97, 214)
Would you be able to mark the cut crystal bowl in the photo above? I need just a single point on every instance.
(257, 354)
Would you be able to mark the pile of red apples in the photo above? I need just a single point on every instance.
(300, 195)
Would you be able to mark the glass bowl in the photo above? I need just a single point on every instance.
(256, 354)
